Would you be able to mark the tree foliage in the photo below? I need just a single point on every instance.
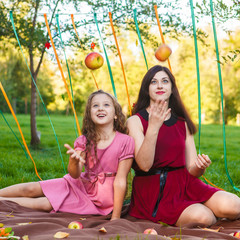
(176, 26)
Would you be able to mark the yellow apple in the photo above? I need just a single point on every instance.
(94, 60)
(75, 225)
(163, 52)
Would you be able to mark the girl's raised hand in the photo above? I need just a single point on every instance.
(203, 161)
(74, 155)
(158, 112)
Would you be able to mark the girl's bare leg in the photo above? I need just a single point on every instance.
(31, 189)
(39, 203)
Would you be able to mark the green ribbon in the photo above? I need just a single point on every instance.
(15, 32)
(198, 76)
(221, 91)
(105, 52)
(69, 75)
(139, 36)
(14, 134)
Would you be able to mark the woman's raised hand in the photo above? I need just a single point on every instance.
(74, 155)
(202, 161)
(158, 112)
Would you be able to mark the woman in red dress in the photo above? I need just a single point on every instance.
(166, 186)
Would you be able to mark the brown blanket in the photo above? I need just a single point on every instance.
(43, 226)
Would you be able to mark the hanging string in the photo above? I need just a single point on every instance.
(198, 75)
(212, 183)
(161, 33)
(14, 134)
(74, 26)
(120, 58)
(69, 75)
(63, 78)
(105, 52)
(15, 32)
(199, 88)
(94, 80)
(20, 130)
(139, 35)
(221, 91)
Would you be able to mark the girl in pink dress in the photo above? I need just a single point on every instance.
(106, 153)
(166, 186)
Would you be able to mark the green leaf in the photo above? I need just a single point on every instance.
(8, 230)
(164, 224)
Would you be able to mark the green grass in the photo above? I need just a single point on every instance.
(16, 168)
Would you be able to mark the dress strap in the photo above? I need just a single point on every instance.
(155, 171)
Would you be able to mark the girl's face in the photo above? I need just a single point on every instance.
(102, 110)
(160, 87)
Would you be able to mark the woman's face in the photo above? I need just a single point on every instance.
(160, 87)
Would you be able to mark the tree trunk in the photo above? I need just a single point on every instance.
(35, 138)
(14, 105)
(26, 105)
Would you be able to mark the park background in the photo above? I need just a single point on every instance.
(47, 151)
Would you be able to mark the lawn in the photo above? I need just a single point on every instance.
(15, 167)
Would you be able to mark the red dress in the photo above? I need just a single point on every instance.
(181, 189)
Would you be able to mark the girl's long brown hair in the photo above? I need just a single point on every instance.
(175, 102)
(89, 129)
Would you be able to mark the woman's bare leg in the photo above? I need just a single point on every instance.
(31, 189)
(196, 213)
(224, 205)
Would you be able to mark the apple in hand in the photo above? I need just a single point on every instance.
(163, 52)
(94, 60)
(150, 231)
(75, 225)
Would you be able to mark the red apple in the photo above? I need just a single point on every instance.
(94, 60)
(236, 234)
(75, 225)
(150, 231)
(163, 52)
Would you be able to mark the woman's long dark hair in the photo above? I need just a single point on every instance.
(175, 102)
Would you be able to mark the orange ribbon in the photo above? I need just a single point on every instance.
(92, 46)
(120, 58)
(75, 28)
(63, 78)
(24, 142)
(161, 33)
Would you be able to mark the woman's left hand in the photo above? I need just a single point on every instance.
(203, 161)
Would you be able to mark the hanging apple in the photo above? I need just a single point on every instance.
(94, 60)
(163, 52)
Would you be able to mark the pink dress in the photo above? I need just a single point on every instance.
(92, 192)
